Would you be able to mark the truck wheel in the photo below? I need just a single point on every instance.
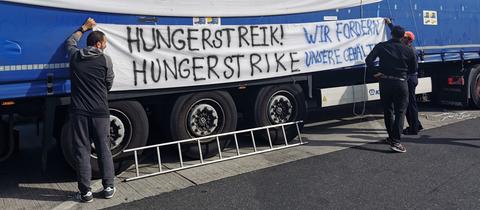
(3, 138)
(128, 129)
(203, 114)
(279, 104)
(475, 88)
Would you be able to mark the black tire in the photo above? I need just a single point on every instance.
(128, 129)
(278, 104)
(3, 139)
(202, 114)
(475, 87)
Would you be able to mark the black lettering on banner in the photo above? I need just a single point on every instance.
(140, 71)
(130, 40)
(181, 42)
(167, 42)
(205, 37)
(195, 67)
(253, 36)
(211, 67)
(229, 35)
(228, 76)
(282, 33)
(166, 66)
(218, 39)
(242, 32)
(273, 35)
(253, 64)
(145, 48)
(268, 62)
(279, 61)
(180, 70)
(264, 30)
(293, 61)
(152, 71)
(190, 38)
(238, 64)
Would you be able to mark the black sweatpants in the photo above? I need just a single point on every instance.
(86, 130)
(412, 109)
(394, 96)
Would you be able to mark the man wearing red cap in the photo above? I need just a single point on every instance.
(412, 109)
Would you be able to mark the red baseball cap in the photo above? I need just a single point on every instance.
(410, 35)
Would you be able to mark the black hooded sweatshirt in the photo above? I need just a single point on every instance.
(91, 77)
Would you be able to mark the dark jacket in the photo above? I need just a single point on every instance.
(411, 71)
(396, 59)
(91, 77)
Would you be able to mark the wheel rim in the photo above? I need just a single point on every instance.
(477, 86)
(120, 133)
(281, 107)
(205, 117)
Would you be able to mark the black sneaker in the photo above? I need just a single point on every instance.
(109, 192)
(84, 198)
(408, 131)
(420, 127)
(397, 147)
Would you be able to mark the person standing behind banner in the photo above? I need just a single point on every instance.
(395, 61)
(92, 77)
(412, 79)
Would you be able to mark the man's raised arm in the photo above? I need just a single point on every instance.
(72, 42)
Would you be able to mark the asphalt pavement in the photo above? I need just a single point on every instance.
(439, 171)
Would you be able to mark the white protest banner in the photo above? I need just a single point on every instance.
(155, 57)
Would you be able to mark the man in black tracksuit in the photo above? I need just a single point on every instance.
(412, 80)
(91, 78)
(396, 59)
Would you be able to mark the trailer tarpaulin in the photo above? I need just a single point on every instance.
(200, 8)
(155, 57)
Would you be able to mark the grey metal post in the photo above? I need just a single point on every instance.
(159, 159)
(284, 135)
(136, 162)
(180, 154)
(219, 149)
(269, 138)
(199, 151)
(236, 143)
(253, 140)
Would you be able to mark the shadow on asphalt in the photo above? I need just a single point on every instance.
(18, 174)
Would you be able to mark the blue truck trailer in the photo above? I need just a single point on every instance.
(192, 68)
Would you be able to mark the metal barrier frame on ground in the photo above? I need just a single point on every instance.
(217, 137)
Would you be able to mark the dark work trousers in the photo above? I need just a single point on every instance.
(394, 96)
(412, 109)
(85, 130)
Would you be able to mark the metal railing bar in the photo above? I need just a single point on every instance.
(284, 135)
(212, 136)
(269, 138)
(299, 134)
(200, 151)
(214, 161)
(136, 163)
(253, 140)
(219, 149)
(236, 143)
(180, 154)
(159, 159)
